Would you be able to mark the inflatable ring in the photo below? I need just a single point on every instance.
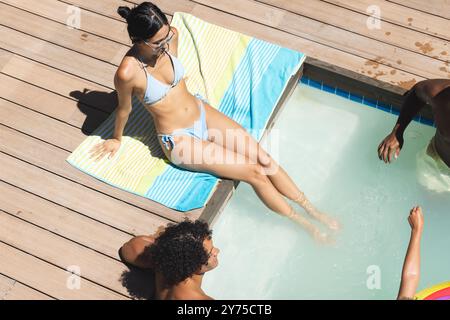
(437, 292)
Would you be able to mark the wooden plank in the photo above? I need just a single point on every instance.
(51, 280)
(78, 198)
(91, 22)
(62, 221)
(374, 52)
(355, 22)
(5, 56)
(79, 41)
(40, 126)
(62, 252)
(53, 159)
(403, 16)
(315, 50)
(58, 57)
(44, 102)
(170, 7)
(59, 82)
(97, 17)
(104, 7)
(109, 7)
(10, 289)
(439, 8)
(6, 284)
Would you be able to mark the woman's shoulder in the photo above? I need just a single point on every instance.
(127, 68)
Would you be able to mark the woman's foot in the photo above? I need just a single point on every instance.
(331, 223)
(314, 231)
(323, 238)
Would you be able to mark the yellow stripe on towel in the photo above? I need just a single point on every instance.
(216, 70)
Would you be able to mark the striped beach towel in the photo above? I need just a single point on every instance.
(241, 76)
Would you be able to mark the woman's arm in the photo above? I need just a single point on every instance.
(411, 266)
(124, 89)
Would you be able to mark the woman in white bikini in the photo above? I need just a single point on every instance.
(187, 125)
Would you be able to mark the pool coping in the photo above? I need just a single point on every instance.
(359, 88)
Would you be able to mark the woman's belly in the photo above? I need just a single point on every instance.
(178, 109)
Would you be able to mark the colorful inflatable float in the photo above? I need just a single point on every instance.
(437, 292)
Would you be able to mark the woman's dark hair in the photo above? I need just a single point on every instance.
(178, 252)
(144, 21)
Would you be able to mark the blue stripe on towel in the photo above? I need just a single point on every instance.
(266, 95)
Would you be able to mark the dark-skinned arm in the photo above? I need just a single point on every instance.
(410, 108)
(392, 144)
(132, 251)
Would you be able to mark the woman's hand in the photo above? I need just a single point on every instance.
(411, 266)
(415, 219)
(110, 146)
(390, 145)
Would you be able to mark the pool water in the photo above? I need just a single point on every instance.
(328, 145)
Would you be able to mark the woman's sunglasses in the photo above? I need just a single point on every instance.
(161, 43)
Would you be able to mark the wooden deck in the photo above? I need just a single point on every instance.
(56, 86)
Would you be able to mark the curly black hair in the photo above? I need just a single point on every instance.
(144, 20)
(178, 252)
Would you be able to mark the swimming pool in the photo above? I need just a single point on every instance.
(333, 158)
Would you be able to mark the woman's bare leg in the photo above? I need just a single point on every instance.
(315, 213)
(284, 184)
(226, 132)
(212, 161)
(229, 134)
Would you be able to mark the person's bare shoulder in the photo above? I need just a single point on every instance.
(200, 296)
(430, 88)
(125, 74)
(191, 295)
(132, 250)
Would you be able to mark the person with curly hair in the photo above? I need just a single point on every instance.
(179, 256)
